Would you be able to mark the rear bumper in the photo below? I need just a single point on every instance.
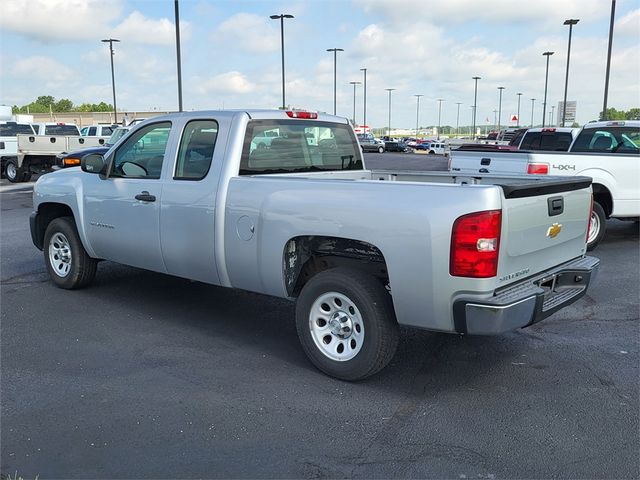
(526, 302)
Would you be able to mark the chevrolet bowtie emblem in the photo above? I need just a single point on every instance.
(554, 230)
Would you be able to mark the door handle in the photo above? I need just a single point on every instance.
(146, 197)
(483, 170)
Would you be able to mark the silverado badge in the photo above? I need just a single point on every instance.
(554, 230)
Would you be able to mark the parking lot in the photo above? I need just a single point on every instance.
(144, 375)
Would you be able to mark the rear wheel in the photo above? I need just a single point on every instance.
(12, 172)
(380, 149)
(346, 323)
(431, 152)
(67, 261)
(597, 226)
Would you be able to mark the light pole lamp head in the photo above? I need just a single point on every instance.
(501, 88)
(571, 21)
(389, 89)
(519, 93)
(282, 15)
(546, 54)
(476, 78)
(355, 83)
(335, 50)
(107, 40)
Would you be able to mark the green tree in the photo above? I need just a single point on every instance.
(46, 100)
(62, 105)
(613, 114)
(633, 114)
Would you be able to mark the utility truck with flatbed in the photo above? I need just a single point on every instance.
(608, 152)
(360, 251)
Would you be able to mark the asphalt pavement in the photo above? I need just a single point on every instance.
(143, 375)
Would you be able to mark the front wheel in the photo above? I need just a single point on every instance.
(346, 323)
(380, 150)
(597, 226)
(67, 261)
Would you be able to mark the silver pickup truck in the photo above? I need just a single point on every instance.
(361, 252)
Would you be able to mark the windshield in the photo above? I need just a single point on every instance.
(12, 129)
(290, 146)
(117, 134)
(61, 130)
(609, 140)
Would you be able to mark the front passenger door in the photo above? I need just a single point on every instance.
(122, 212)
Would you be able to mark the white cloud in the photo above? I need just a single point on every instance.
(226, 83)
(628, 25)
(139, 29)
(42, 68)
(58, 20)
(497, 11)
(251, 33)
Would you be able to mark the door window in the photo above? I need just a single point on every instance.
(196, 150)
(92, 131)
(142, 154)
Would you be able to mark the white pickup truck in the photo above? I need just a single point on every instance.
(361, 252)
(608, 152)
(9, 145)
(39, 153)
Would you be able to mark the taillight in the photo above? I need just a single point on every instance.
(589, 219)
(475, 244)
(538, 168)
(297, 114)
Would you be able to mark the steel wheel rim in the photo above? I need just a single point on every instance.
(594, 227)
(336, 326)
(60, 254)
(11, 170)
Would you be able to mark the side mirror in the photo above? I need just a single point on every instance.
(94, 163)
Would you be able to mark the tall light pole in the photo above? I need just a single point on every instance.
(533, 100)
(571, 22)
(364, 121)
(495, 119)
(440, 100)
(354, 100)
(475, 105)
(282, 16)
(417, 112)
(113, 77)
(389, 90)
(519, 95)
(500, 89)
(606, 77)
(178, 60)
(546, 81)
(553, 108)
(458, 119)
(335, 63)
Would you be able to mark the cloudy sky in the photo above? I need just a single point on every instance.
(231, 54)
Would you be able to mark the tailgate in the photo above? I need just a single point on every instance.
(489, 162)
(543, 225)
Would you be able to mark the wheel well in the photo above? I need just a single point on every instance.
(308, 255)
(47, 212)
(602, 195)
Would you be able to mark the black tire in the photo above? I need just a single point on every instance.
(431, 152)
(375, 308)
(82, 268)
(12, 172)
(598, 224)
(380, 149)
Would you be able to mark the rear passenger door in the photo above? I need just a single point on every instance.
(188, 207)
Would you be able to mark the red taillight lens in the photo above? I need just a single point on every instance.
(538, 168)
(296, 114)
(475, 244)
(589, 219)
